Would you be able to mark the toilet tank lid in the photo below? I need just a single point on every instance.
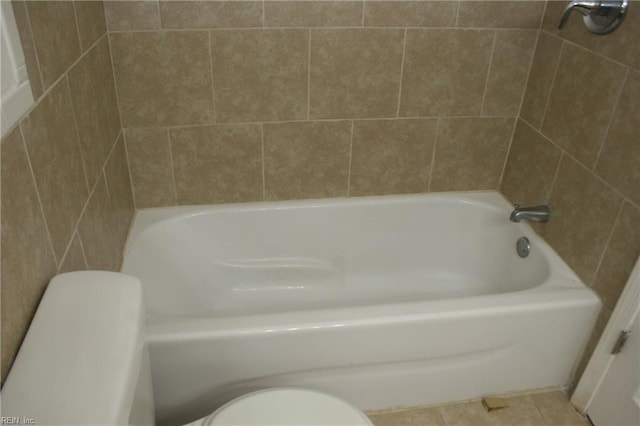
(79, 361)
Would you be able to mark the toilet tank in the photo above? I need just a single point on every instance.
(84, 359)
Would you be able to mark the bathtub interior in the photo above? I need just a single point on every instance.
(262, 258)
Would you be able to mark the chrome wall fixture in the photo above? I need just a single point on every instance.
(600, 17)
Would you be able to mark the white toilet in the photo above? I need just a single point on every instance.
(84, 362)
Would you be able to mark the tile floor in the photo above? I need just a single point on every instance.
(534, 409)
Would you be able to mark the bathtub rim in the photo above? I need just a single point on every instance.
(147, 218)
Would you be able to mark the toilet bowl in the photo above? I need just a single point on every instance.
(286, 407)
(89, 330)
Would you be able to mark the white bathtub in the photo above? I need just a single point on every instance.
(384, 301)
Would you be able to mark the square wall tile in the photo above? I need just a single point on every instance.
(91, 22)
(27, 262)
(355, 73)
(410, 13)
(578, 116)
(52, 142)
(508, 73)
(620, 257)
(210, 14)
(391, 156)
(306, 159)
(163, 77)
(543, 69)
(530, 155)
(260, 75)
(132, 15)
(445, 72)
(151, 167)
(470, 153)
(619, 162)
(56, 37)
(96, 107)
(583, 212)
(217, 164)
(313, 13)
(501, 14)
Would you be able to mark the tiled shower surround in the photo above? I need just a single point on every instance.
(233, 101)
(66, 193)
(250, 101)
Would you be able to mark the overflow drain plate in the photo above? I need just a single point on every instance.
(523, 247)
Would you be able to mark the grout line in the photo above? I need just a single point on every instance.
(106, 182)
(433, 154)
(213, 85)
(553, 83)
(126, 153)
(236, 123)
(264, 185)
(77, 132)
(75, 17)
(324, 27)
(363, 13)
(555, 177)
(524, 91)
(486, 82)
(404, 47)
(309, 75)
(457, 14)
(159, 13)
(35, 184)
(564, 152)
(613, 114)
(350, 160)
(173, 172)
(544, 11)
(506, 158)
(264, 19)
(124, 142)
(104, 165)
(84, 256)
(606, 245)
(115, 83)
(526, 82)
(35, 51)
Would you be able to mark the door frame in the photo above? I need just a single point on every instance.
(602, 358)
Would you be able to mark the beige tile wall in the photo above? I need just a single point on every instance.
(323, 98)
(577, 147)
(66, 194)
